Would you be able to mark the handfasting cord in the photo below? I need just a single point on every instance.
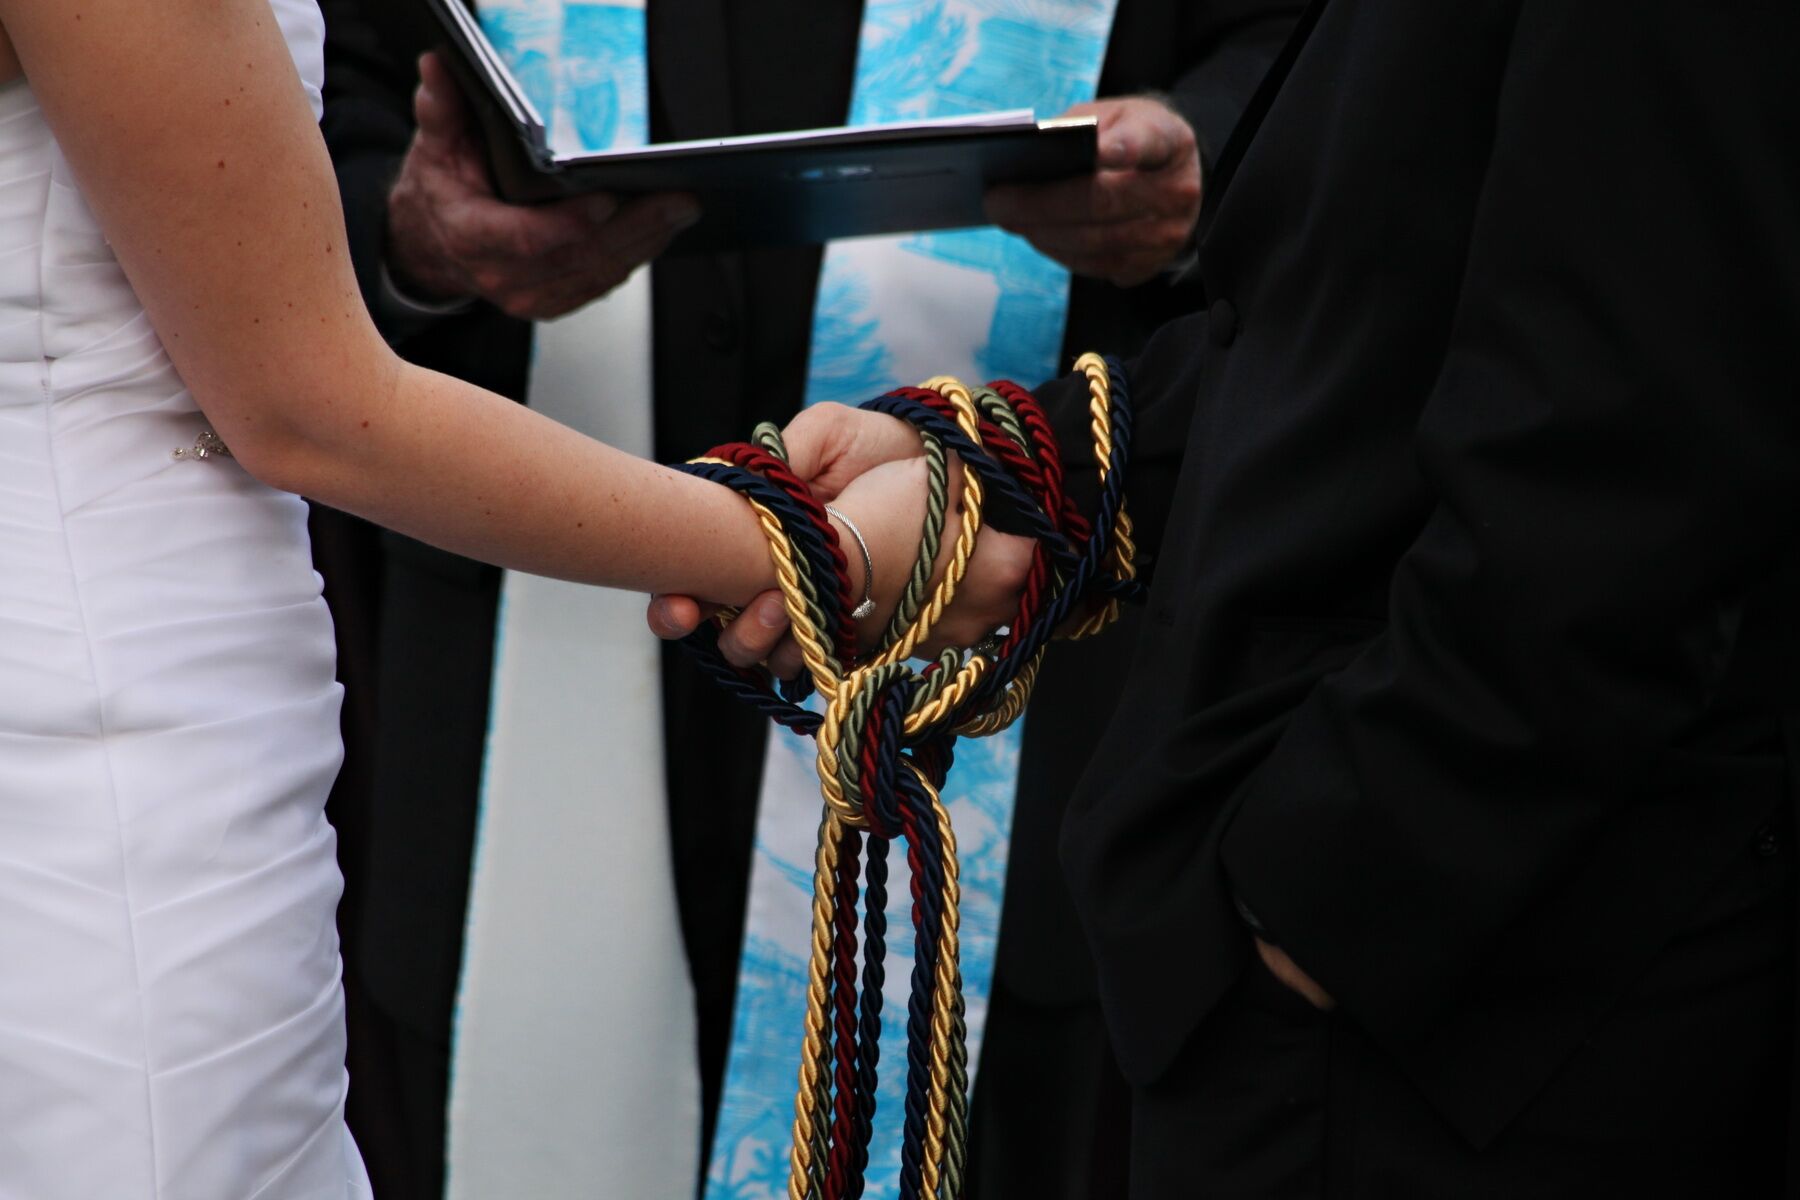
(886, 738)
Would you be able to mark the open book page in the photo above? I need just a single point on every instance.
(792, 187)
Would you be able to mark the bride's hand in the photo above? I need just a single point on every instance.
(829, 446)
(832, 445)
(887, 504)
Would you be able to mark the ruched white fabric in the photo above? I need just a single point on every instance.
(171, 1018)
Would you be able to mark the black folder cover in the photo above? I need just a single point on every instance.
(776, 190)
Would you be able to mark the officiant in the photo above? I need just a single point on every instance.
(439, 726)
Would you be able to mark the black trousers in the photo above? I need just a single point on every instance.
(1050, 1118)
(1682, 1091)
(399, 1098)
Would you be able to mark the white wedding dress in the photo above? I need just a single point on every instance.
(171, 1019)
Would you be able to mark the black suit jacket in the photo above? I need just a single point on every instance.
(1476, 504)
(731, 335)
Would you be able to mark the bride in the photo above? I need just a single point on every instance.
(173, 265)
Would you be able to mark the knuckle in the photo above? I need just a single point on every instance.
(464, 242)
(817, 418)
(733, 651)
(526, 306)
(457, 244)
(1113, 204)
(1184, 195)
(526, 239)
(492, 283)
(1130, 274)
(742, 651)
(1115, 241)
(605, 281)
(786, 662)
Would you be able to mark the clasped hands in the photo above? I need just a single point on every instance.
(869, 466)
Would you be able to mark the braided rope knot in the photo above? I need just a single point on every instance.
(885, 732)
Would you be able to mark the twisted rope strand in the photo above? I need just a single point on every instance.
(885, 739)
(803, 1156)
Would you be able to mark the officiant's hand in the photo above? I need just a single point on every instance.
(1134, 216)
(450, 238)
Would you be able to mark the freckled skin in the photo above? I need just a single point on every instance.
(184, 236)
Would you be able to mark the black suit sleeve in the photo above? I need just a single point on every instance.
(1209, 59)
(370, 74)
(1163, 383)
(367, 124)
(1614, 447)
(371, 70)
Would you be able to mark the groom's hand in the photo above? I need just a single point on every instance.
(449, 238)
(1289, 973)
(760, 633)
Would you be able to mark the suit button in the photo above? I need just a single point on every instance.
(721, 331)
(1222, 323)
(1768, 842)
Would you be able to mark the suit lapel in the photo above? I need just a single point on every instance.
(1258, 108)
(690, 76)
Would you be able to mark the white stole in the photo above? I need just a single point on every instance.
(573, 1069)
(979, 304)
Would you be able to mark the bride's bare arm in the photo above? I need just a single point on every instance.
(193, 141)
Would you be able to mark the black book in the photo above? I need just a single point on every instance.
(772, 189)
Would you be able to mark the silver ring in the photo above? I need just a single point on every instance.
(868, 601)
